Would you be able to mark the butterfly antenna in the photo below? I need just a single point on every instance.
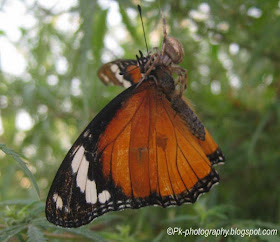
(140, 13)
(122, 73)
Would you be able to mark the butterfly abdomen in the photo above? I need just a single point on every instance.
(166, 83)
(188, 115)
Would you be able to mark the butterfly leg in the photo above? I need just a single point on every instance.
(150, 65)
(151, 61)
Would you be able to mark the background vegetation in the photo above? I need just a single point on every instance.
(233, 60)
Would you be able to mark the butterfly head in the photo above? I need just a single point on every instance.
(142, 61)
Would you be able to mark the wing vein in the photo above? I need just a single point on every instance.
(190, 165)
(179, 170)
(129, 166)
(167, 167)
(129, 160)
(149, 143)
(203, 158)
(177, 146)
(157, 154)
(123, 127)
(111, 175)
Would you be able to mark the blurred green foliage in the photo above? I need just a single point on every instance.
(233, 61)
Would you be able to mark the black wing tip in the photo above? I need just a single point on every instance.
(217, 157)
(70, 223)
(188, 196)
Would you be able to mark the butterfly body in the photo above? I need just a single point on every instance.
(146, 147)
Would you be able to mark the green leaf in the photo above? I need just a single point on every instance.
(257, 223)
(99, 31)
(35, 234)
(2, 32)
(258, 133)
(83, 231)
(219, 211)
(41, 222)
(23, 166)
(16, 202)
(11, 231)
(128, 24)
(87, 233)
(182, 219)
(159, 237)
(33, 209)
(38, 208)
(269, 238)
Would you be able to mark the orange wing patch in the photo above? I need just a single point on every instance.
(139, 151)
(192, 163)
(211, 149)
(148, 150)
(134, 73)
(114, 143)
(120, 161)
(208, 145)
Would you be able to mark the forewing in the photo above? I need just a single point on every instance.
(80, 191)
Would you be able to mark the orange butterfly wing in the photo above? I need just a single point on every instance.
(150, 153)
(136, 152)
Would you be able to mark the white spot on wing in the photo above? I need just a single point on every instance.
(86, 133)
(126, 84)
(55, 196)
(120, 78)
(58, 201)
(104, 196)
(82, 174)
(91, 192)
(75, 150)
(106, 78)
(114, 68)
(77, 159)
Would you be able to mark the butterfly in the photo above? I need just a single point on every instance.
(146, 147)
